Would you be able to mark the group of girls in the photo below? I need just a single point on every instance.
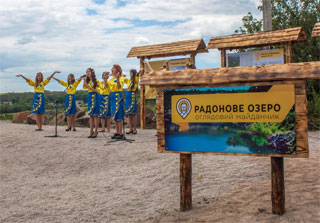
(105, 99)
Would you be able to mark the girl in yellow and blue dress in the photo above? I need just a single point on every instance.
(116, 85)
(131, 101)
(38, 105)
(92, 85)
(104, 102)
(70, 107)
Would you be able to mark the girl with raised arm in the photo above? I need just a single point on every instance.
(38, 105)
(92, 84)
(131, 101)
(70, 107)
(116, 85)
(104, 102)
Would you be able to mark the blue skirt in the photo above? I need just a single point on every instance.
(131, 103)
(38, 104)
(116, 105)
(93, 105)
(104, 105)
(70, 107)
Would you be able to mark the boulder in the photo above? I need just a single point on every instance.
(84, 121)
(31, 119)
(80, 112)
(21, 117)
(150, 117)
(60, 118)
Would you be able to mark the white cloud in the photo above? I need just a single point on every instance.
(60, 35)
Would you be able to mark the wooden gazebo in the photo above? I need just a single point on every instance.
(266, 38)
(180, 48)
(316, 30)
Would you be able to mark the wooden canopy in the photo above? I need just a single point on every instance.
(316, 30)
(293, 71)
(179, 48)
(266, 38)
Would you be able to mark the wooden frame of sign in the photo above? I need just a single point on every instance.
(295, 74)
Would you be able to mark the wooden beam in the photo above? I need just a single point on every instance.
(185, 182)
(142, 97)
(276, 72)
(223, 58)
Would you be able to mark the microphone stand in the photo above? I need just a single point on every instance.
(56, 128)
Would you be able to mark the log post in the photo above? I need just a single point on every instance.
(289, 52)
(193, 58)
(185, 182)
(142, 97)
(223, 57)
(278, 188)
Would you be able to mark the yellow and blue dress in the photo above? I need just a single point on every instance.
(38, 104)
(131, 100)
(116, 98)
(104, 101)
(70, 107)
(93, 100)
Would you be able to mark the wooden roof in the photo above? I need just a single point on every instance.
(316, 30)
(227, 75)
(265, 38)
(169, 49)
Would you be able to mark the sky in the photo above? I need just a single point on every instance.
(72, 35)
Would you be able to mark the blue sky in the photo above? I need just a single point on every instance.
(71, 36)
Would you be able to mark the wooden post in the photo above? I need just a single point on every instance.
(193, 58)
(278, 188)
(223, 57)
(185, 182)
(289, 52)
(142, 97)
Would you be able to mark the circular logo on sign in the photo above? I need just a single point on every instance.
(183, 107)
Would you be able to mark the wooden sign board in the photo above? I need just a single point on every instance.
(254, 119)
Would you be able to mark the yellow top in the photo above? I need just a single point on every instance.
(40, 88)
(91, 85)
(113, 84)
(136, 83)
(71, 89)
(103, 89)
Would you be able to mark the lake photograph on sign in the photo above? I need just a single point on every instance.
(244, 119)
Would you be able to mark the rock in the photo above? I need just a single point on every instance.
(150, 117)
(21, 117)
(80, 112)
(83, 121)
(31, 119)
(60, 118)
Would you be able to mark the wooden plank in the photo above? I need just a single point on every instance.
(277, 184)
(301, 104)
(277, 72)
(264, 38)
(185, 182)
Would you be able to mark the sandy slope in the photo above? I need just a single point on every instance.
(75, 179)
